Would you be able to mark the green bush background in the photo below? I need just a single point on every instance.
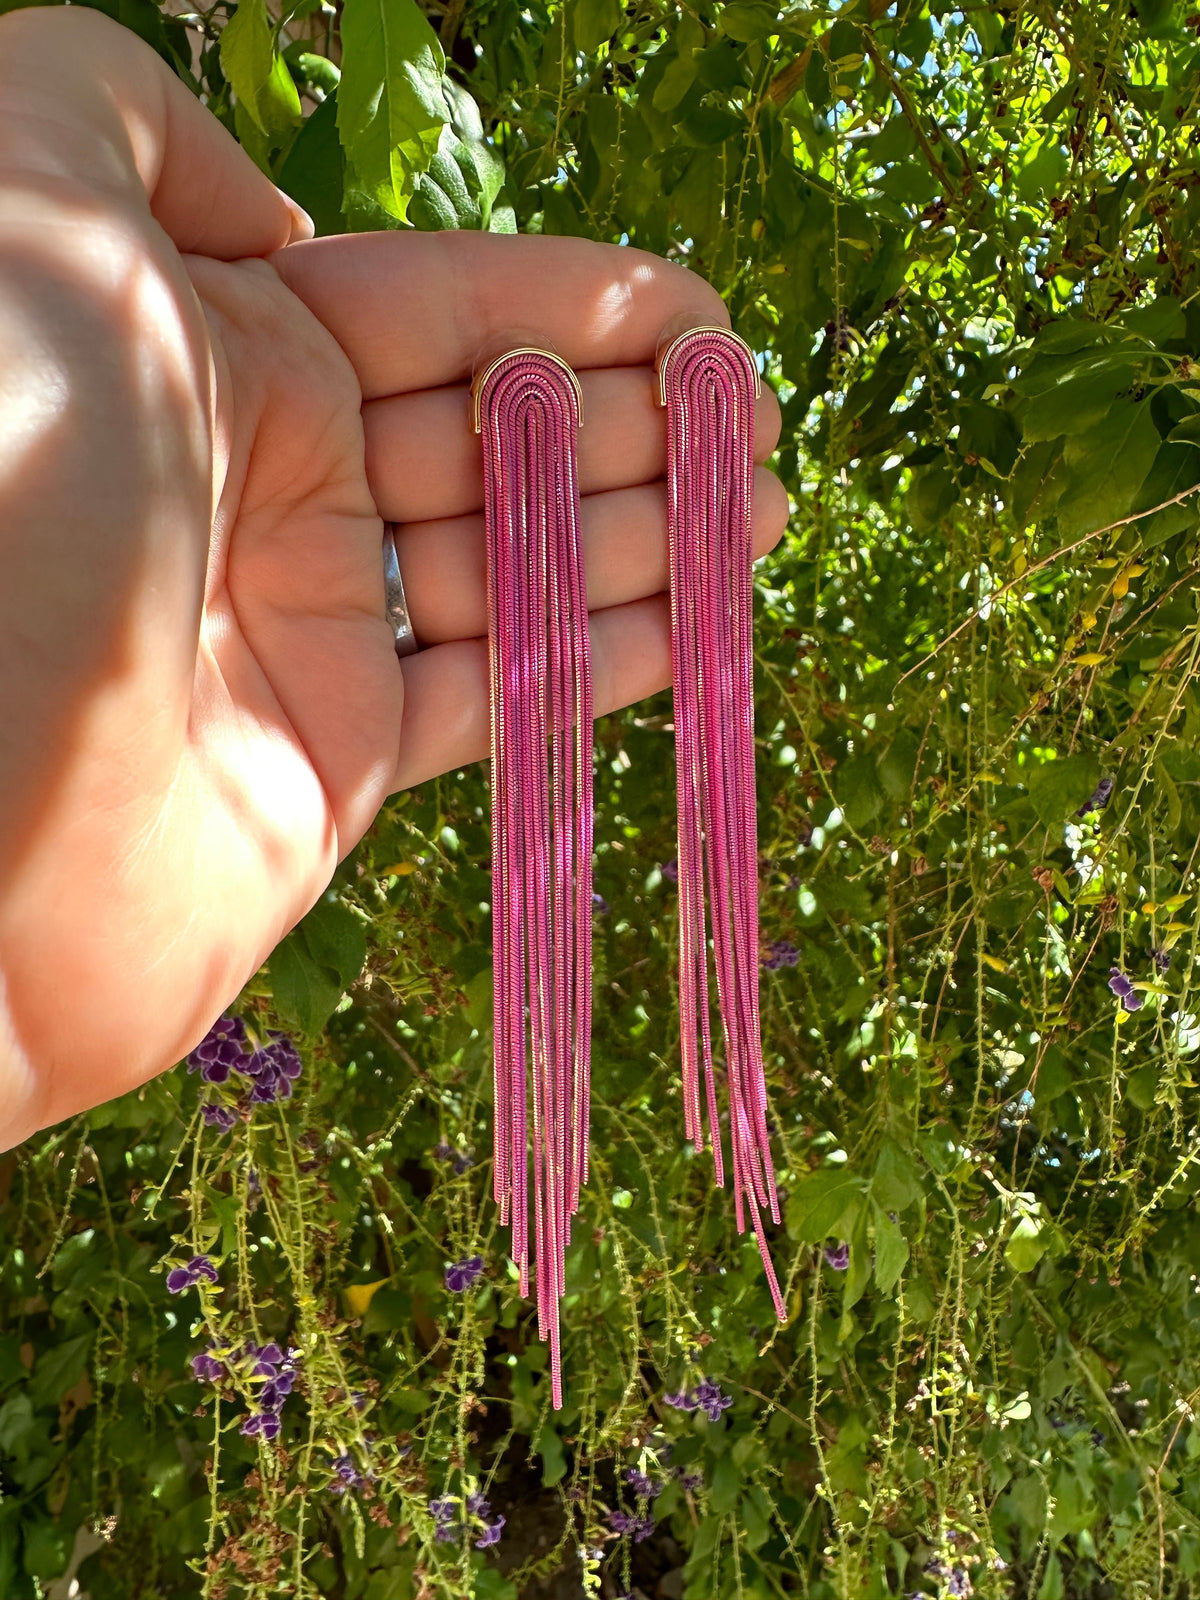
(964, 241)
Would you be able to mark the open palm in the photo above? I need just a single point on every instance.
(203, 793)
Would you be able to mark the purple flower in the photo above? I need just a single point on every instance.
(600, 906)
(642, 1485)
(478, 1506)
(274, 1068)
(348, 1475)
(272, 1394)
(263, 1423)
(1124, 990)
(689, 1481)
(685, 1400)
(443, 1510)
(448, 1532)
(490, 1534)
(221, 1051)
(781, 953)
(464, 1273)
(181, 1278)
(1161, 959)
(218, 1116)
(1096, 801)
(711, 1401)
(670, 871)
(206, 1368)
(447, 1152)
(959, 1583)
(837, 1256)
(626, 1522)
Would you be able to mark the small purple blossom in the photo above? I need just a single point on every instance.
(1096, 801)
(600, 906)
(1124, 990)
(348, 1475)
(181, 1278)
(837, 1256)
(780, 953)
(1161, 958)
(478, 1505)
(490, 1534)
(216, 1116)
(685, 1400)
(670, 870)
(463, 1274)
(221, 1051)
(263, 1423)
(643, 1486)
(688, 1481)
(627, 1522)
(447, 1152)
(960, 1583)
(206, 1368)
(274, 1068)
(711, 1400)
(444, 1510)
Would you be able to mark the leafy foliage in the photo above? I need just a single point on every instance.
(965, 242)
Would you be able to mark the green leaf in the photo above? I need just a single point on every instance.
(391, 106)
(335, 938)
(1106, 467)
(896, 1181)
(16, 1425)
(1051, 1586)
(891, 1251)
(554, 1461)
(725, 1484)
(1027, 1243)
(58, 1369)
(226, 1208)
(257, 75)
(748, 20)
(858, 789)
(314, 171)
(819, 1204)
(305, 993)
(1058, 788)
(858, 1273)
(593, 22)
(47, 1551)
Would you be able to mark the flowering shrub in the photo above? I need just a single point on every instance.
(258, 1331)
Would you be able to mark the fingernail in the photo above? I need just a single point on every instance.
(303, 226)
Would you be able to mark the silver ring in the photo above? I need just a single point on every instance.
(395, 605)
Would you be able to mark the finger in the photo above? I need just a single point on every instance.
(424, 460)
(624, 537)
(84, 98)
(446, 714)
(414, 310)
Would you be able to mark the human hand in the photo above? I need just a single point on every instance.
(202, 711)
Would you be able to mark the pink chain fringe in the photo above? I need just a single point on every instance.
(527, 405)
(708, 382)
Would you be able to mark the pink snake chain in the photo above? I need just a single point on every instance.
(708, 381)
(528, 407)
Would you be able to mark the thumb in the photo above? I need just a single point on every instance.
(83, 98)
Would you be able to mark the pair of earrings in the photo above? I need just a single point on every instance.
(528, 407)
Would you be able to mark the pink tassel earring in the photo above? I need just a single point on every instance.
(708, 381)
(527, 405)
